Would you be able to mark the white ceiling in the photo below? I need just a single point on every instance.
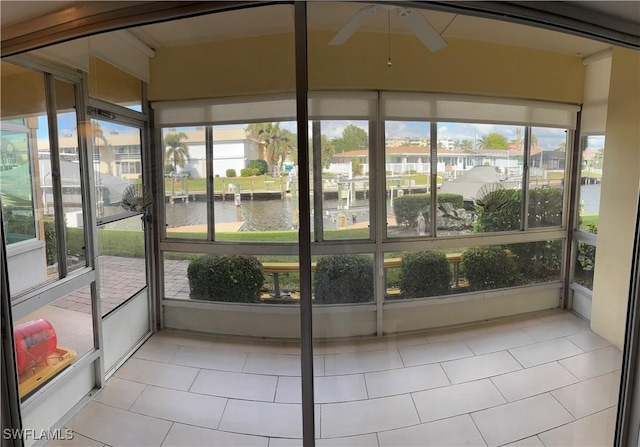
(331, 16)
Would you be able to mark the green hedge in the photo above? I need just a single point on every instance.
(425, 274)
(344, 279)
(230, 173)
(230, 278)
(407, 208)
(500, 210)
(259, 165)
(487, 268)
(248, 172)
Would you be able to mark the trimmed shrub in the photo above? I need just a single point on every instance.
(344, 279)
(425, 274)
(231, 278)
(230, 173)
(248, 172)
(487, 268)
(259, 165)
(407, 208)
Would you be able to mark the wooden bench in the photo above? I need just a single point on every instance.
(282, 268)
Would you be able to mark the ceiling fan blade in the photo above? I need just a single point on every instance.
(422, 28)
(353, 24)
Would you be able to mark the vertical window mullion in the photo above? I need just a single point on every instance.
(316, 147)
(56, 180)
(374, 222)
(434, 177)
(525, 179)
(208, 150)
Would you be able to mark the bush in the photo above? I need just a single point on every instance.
(500, 210)
(232, 278)
(230, 173)
(488, 268)
(259, 165)
(586, 261)
(50, 240)
(407, 208)
(425, 274)
(356, 167)
(248, 172)
(344, 279)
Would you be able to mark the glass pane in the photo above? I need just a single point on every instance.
(113, 85)
(25, 180)
(264, 279)
(585, 265)
(121, 261)
(590, 180)
(255, 182)
(422, 274)
(70, 175)
(481, 170)
(343, 279)
(345, 179)
(487, 268)
(185, 182)
(117, 164)
(16, 186)
(53, 337)
(546, 176)
(408, 168)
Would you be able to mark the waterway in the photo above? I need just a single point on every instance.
(281, 214)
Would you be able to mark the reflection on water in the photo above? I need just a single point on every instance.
(265, 215)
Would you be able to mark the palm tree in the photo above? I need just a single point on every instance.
(105, 150)
(176, 149)
(276, 143)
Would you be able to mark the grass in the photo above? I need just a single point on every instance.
(268, 183)
(585, 221)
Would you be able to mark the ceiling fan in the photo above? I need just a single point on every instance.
(420, 26)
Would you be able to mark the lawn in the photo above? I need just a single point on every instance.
(586, 221)
(266, 182)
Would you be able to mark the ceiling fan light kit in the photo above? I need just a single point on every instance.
(419, 25)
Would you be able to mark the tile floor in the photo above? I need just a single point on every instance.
(539, 380)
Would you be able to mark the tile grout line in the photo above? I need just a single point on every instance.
(477, 428)
(222, 414)
(167, 434)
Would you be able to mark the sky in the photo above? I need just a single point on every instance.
(548, 138)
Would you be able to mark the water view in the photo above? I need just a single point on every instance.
(267, 215)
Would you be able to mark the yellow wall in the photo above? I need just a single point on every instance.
(266, 64)
(111, 84)
(618, 199)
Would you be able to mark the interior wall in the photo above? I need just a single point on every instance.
(618, 198)
(22, 92)
(266, 65)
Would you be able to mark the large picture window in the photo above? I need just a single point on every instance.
(443, 178)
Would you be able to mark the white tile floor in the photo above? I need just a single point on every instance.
(541, 380)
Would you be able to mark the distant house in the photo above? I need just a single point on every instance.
(120, 155)
(410, 158)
